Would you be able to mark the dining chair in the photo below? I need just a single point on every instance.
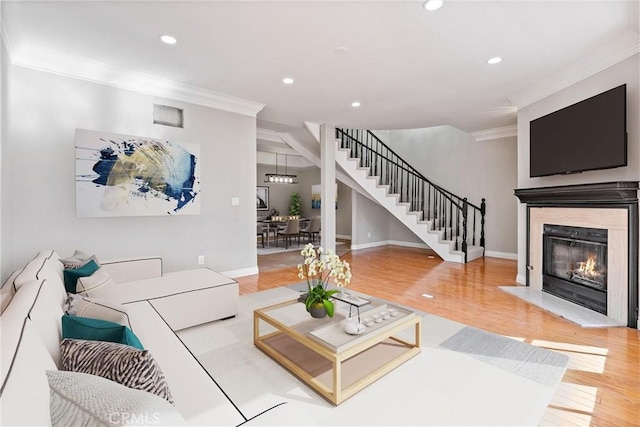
(291, 229)
(311, 230)
(260, 231)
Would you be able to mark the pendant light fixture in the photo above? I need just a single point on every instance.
(277, 178)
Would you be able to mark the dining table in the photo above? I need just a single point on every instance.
(274, 225)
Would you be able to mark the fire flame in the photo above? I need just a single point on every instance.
(589, 268)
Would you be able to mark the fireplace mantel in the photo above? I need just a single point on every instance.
(604, 192)
(608, 205)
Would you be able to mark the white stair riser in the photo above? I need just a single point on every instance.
(400, 210)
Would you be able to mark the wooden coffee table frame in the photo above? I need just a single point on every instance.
(337, 393)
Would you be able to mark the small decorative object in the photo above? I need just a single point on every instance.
(318, 268)
(377, 318)
(353, 327)
(385, 315)
(393, 312)
(368, 321)
(272, 214)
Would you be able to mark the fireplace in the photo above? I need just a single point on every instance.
(575, 265)
(582, 245)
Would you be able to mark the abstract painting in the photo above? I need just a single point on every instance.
(316, 197)
(124, 175)
(262, 198)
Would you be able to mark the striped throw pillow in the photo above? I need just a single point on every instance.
(121, 363)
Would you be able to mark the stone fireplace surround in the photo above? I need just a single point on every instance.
(612, 206)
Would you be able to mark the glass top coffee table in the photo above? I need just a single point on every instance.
(321, 354)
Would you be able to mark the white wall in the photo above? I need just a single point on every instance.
(370, 224)
(628, 72)
(400, 234)
(373, 225)
(343, 214)
(4, 120)
(38, 191)
(453, 159)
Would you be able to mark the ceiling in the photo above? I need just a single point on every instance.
(409, 68)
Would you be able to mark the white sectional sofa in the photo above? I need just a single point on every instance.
(156, 304)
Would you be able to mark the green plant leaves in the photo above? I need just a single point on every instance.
(318, 295)
(328, 306)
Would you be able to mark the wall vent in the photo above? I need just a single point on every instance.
(168, 116)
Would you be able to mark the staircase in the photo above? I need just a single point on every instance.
(447, 223)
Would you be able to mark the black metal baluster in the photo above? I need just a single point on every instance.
(428, 201)
(406, 188)
(413, 194)
(483, 210)
(435, 209)
(443, 216)
(457, 227)
(451, 218)
(464, 227)
(439, 194)
(394, 178)
(474, 227)
(422, 200)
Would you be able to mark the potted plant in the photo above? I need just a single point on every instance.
(318, 268)
(295, 205)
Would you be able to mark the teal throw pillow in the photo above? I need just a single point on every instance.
(71, 275)
(86, 328)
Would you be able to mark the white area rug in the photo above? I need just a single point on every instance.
(273, 249)
(565, 309)
(463, 376)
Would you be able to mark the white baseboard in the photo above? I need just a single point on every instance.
(389, 242)
(250, 271)
(409, 244)
(368, 245)
(494, 254)
(505, 255)
(343, 236)
(521, 279)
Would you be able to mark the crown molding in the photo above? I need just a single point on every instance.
(495, 133)
(97, 72)
(609, 54)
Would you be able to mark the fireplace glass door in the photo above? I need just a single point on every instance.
(575, 265)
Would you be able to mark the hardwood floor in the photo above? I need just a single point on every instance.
(602, 384)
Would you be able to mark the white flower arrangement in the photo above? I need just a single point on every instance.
(318, 268)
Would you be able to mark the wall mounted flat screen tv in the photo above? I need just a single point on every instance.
(588, 135)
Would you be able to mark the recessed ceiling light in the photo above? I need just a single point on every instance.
(287, 80)
(494, 60)
(168, 39)
(355, 104)
(432, 5)
(341, 50)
